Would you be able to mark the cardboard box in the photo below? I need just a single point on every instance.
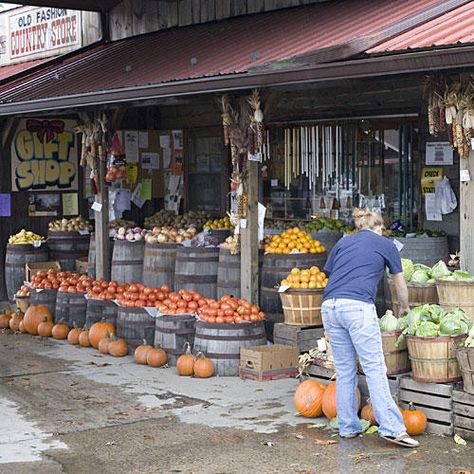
(82, 265)
(33, 267)
(268, 362)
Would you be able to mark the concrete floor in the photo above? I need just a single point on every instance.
(70, 409)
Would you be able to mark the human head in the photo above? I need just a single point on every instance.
(364, 219)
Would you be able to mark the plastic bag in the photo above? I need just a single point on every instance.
(445, 198)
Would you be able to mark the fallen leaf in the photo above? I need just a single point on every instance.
(299, 436)
(316, 425)
(268, 443)
(104, 364)
(147, 436)
(371, 429)
(459, 440)
(110, 443)
(325, 442)
(365, 425)
(335, 435)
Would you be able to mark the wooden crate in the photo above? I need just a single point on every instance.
(393, 383)
(304, 338)
(463, 408)
(320, 373)
(435, 399)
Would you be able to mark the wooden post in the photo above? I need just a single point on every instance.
(102, 241)
(466, 215)
(249, 242)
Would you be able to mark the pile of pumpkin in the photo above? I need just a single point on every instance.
(314, 398)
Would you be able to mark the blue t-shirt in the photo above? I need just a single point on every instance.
(356, 264)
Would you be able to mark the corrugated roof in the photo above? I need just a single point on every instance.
(452, 28)
(13, 69)
(213, 49)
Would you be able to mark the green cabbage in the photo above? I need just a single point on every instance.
(433, 313)
(460, 275)
(440, 270)
(403, 322)
(427, 329)
(388, 322)
(420, 276)
(431, 281)
(420, 266)
(414, 316)
(408, 269)
(452, 326)
(458, 312)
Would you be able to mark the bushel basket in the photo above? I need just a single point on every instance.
(418, 295)
(302, 307)
(465, 357)
(456, 294)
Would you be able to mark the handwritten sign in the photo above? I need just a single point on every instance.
(44, 156)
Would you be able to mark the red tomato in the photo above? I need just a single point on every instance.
(63, 288)
(254, 317)
(197, 297)
(193, 306)
(212, 312)
(152, 298)
(238, 319)
(111, 290)
(229, 313)
(147, 291)
(133, 289)
(113, 283)
(173, 306)
(80, 288)
(261, 315)
(229, 320)
(165, 288)
(225, 306)
(140, 303)
(202, 303)
(211, 319)
(71, 289)
(220, 313)
(182, 304)
(219, 320)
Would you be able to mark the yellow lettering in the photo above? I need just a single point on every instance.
(67, 173)
(52, 172)
(24, 146)
(65, 142)
(24, 177)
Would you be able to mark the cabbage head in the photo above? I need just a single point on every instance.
(433, 312)
(452, 326)
(427, 329)
(420, 266)
(420, 276)
(403, 322)
(414, 316)
(440, 270)
(408, 268)
(460, 275)
(458, 312)
(388, 322)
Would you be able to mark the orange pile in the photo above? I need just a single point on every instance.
(308, 278)
(294, 240)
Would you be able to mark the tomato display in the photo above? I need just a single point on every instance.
(182, 302)
(230, 310)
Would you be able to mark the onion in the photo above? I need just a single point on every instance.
(130, 237)
(138, 237)
(161, 238)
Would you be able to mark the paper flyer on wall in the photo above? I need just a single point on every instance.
(431, 208)
(131, 146)
(136, 196)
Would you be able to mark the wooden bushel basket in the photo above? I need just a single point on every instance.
(396, 358)
(456, 294)
(418, 295)
(433, 359)
(302, 307)
(465, 357)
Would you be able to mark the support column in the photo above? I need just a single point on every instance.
(466, 212)
(102, 241)
(249, 241)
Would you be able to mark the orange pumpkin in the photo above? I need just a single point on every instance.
(60, 331)
(104, 345)
(21, 326)
(367, 413)
(15, 322)
(156, 357)
(329, 401)
(100, 330)
(308, 398)
(141, 352)
(415, 420)
(73, 336)
(185, 362)
(203, 367)
(5, 320)
(118, 347)
(45, 329)
(84, 339)
(34, 316)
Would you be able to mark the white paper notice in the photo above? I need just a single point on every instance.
(431, 208)
(131, 146)
(143, 139)
(439, 153)
(97, 206)
(173, 184)
(165, 141)
(261, 220)
(122, 200)
(136, 196)
(166, 158)
(243, 223)
(274, 183)
(150, 161)
(177, 139)
(464, 176)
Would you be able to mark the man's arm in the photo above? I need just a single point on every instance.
(402, 292)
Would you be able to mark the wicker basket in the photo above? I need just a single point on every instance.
(433, 359)
(22, 303)
(456, 294)
(302, 307)
(465, 357)
(418, 295)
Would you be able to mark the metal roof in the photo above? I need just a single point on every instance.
(93, 5)
(14, 69)
(230, 47)
(452, 28)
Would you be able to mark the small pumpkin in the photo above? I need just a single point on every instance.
(415, 420)
(45, 329)
(367, 413)
(5, 320)
(15, 322)
(308, 398)
(73, 336)
(104, 345)
(203, 367)
(156, 357)
(21, 327)
(118, 347)
(34, 316)
(329, 401)
(141, 352)
(185, 362)
(60, 331)
(100, 330)
(84, 338)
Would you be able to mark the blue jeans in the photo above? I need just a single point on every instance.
(353, 330)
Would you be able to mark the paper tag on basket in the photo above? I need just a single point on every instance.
(283, 288)
(398, 244)
(152, 311)
(322, 346)
(83, 232)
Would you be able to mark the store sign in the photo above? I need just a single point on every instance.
(430, 177)
(439, 153)
(44, 156)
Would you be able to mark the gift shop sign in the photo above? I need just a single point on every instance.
(44, 155)
(38, 32)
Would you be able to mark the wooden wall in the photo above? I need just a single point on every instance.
(134, 17)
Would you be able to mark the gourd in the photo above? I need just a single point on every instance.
(15, 321)
(5, 320)
(415, 420)
(308, 398)
(34, 316)
(203, 367)
(98, 331)
(186, 361)
(141, 353)
(104, 345)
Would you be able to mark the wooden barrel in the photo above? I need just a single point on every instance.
(172, 332)
(158, 264)
(433, 359)
(275, 268)
(328, 238)
(91, 256)
(67, 247)
(71, 309)
(425, 250)
(228, 274)
(196, 269)
(17, 256)
(465, 357)
(302, 307)
(100, 310)
(127, 261)
(44, 297)
(456, 294)
(418, 295)
(134, 325)
(396, 358)
(222, 343)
